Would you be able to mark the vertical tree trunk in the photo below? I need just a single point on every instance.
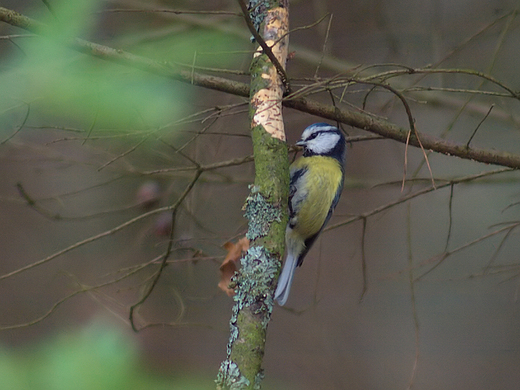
(266, 206)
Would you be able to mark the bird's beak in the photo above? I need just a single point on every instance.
(301, 143)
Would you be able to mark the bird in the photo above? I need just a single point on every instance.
(315, 186)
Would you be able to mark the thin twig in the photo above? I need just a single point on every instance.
(166, 255)
(413, 128)
(125, 153)
(82, 290)
(324, 46)
(439, 259)
(412, 297)
(32, 203)
(19, 127)
(267, 50)
(156, 277)
(364, 260)
(413, 195)
(458, 90)
(450, 218)
(497, 251)
(93, 124)
(480, 123)
(306, 27)
(208, 167)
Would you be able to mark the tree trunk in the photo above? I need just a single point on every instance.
(266, 206)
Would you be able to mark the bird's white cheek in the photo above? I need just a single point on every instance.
(323, 144)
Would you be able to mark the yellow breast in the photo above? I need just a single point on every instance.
(323, 178)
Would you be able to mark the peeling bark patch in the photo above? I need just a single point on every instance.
(267, 102)
(268, 110)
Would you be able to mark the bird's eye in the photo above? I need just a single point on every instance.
(312, 136)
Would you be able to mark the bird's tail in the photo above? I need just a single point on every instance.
(285, 280)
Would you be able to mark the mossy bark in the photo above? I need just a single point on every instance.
(266, 209)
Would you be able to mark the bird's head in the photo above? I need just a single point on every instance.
(323, 139)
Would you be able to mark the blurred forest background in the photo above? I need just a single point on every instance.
(400, 292)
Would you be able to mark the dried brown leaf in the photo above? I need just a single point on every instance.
(230, 264)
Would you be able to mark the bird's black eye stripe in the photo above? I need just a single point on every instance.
(314, 135)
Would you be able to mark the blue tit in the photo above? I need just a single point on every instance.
(316, 183)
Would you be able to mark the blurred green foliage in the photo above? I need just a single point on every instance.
(196, 47)
(61, 84)
(98, 357)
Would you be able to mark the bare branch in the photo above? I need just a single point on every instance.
(351, 118)
(168, 11)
